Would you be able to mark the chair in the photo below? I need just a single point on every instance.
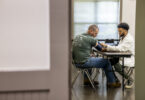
(81, 71)
(129, 73)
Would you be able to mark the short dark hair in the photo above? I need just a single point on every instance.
(124, 26)
(93, 27)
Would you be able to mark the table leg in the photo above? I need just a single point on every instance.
(123, 75)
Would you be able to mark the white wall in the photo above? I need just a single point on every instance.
(129, 14)
(24, 34)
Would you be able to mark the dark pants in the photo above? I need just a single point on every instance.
(118, 68)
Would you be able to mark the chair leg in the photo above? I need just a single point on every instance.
(96, 74)
(103, 73)
(89, 77)
(129, 73)
(78, 73)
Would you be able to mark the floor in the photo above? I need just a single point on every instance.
(80, 92)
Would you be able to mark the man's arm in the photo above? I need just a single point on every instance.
(122, 47)
(100, 47)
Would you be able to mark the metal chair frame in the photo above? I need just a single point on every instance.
(83, 71)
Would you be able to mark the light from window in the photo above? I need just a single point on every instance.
(104, 13)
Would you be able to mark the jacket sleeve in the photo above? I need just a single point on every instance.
(124, 46)
(93, 41)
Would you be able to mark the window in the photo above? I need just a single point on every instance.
(104, 13)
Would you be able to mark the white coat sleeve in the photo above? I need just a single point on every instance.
(124, 46)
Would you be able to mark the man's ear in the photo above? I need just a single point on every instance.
(90, 31)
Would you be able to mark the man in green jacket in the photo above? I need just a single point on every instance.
(81, 51)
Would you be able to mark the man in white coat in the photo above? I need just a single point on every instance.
(126, 44)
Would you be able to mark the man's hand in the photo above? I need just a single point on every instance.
(96, 43)
(104, 49)
(104, 45)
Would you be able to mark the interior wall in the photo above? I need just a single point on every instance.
(129, 14)
(140, 50)
(24, 34)
(56, 79)
(60, 51)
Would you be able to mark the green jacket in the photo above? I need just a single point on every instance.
(82, 46)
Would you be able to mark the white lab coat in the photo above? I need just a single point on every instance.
(127, 44)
